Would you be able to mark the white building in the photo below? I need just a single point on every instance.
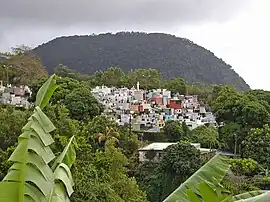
(101, 89)
(156, 150)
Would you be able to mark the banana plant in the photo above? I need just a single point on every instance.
(31, 178)
(204, 186)
(212, 173)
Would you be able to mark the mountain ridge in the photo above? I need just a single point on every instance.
(172, 56)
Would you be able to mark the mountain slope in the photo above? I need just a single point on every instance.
(172, 56)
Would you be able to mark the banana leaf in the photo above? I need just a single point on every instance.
(68, 155)
(212, 173)
(265, 197)
(248, 195)
(30, 178)
(45, 92)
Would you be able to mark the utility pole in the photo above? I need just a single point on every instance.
(235, 143)
(130, 123)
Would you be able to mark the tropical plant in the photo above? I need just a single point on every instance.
(256, 143)
(247, 167)
(108, 134)
(173, 131)
(204, 185)
(31, 178)
(205, 135)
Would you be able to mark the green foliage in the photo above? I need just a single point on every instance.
(247, 167)
(112, 76)
(103, 177)
(252, 196)
(95, 126)
(60, 116)
(173, 131)
(30, 177)
(4, 164)
(128, 142)
(185, 129)
(255, 145)
(200, 89)
(105, 171)
(176, 85)
(260, 95)
(227, 135)
(206, 136)
(34, 86)
(204, 185)
(172, 56)
(11, 122)
(76, 96)
(239, 112)
(148, 78)
(228, 105)
(231, 106)
(178, 163)
(212, 173)
(154, 136)
(45, 92)
(151, 154)
(63, 71)
(21, 67)
(255, 114)
(82, 105)
(65, 87)
(206, 193)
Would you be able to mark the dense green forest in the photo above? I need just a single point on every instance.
(107, 168)
(171, 56)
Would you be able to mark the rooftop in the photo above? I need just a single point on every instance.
(159, 146)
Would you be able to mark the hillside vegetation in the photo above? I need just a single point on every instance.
(107, 167)
(20, 67)
(172, 56)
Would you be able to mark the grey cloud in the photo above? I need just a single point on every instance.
(35, 21)
(104, 12)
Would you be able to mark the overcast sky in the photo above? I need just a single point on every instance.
(235, 30)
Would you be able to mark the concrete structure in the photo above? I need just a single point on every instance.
(156, 150)
(15, 95)
(152, 108)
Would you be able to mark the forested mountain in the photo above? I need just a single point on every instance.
(172, 56)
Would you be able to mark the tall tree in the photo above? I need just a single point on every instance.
(173, 131)
(63, 71)
(147, 77)
(109, 134)
(176, 85)
(21, 67)
(11, 122)
(206, 136)
(178, 163)
(256, 145)
(82, 104)
(102, 176)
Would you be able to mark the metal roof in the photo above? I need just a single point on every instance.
(159, 146)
